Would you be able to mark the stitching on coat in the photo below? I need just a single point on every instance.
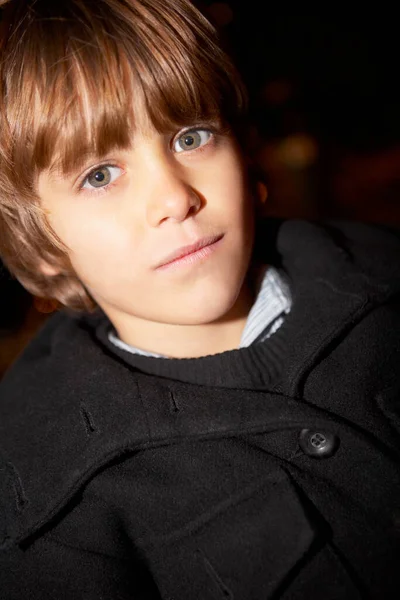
(226, 592)
(19, 492)
(154, 540)
(88, 420)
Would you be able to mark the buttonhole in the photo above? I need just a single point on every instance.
(88, 420)
(173, 403)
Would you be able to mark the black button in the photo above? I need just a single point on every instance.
(318, 444)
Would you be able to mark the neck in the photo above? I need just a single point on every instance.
(187, 341)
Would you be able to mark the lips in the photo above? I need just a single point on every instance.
(188, 250)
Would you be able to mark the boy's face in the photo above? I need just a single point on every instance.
(123, 216)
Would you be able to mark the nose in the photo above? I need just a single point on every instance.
(171, 197)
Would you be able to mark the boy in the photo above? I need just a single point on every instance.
(216, 415)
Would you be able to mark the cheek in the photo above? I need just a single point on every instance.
(96, 244)
(226, 184)
(233, 177)
(236, 200)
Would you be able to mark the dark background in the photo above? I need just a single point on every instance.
(325, 100)
(326, 121)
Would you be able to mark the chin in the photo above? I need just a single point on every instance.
(202, 311)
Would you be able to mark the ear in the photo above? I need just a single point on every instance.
(256, 179)
(262, 192)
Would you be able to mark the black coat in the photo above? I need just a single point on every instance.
(116, 484)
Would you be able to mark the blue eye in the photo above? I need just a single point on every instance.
(191, 140)
(101, 177)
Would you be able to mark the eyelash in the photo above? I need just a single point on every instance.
(100, 189)
(104, 189)
(208, 129)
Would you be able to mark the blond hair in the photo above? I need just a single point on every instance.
(69, 71)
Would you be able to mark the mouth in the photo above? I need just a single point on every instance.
(190, 254)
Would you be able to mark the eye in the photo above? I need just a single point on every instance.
(192, 139)
(101, 177)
